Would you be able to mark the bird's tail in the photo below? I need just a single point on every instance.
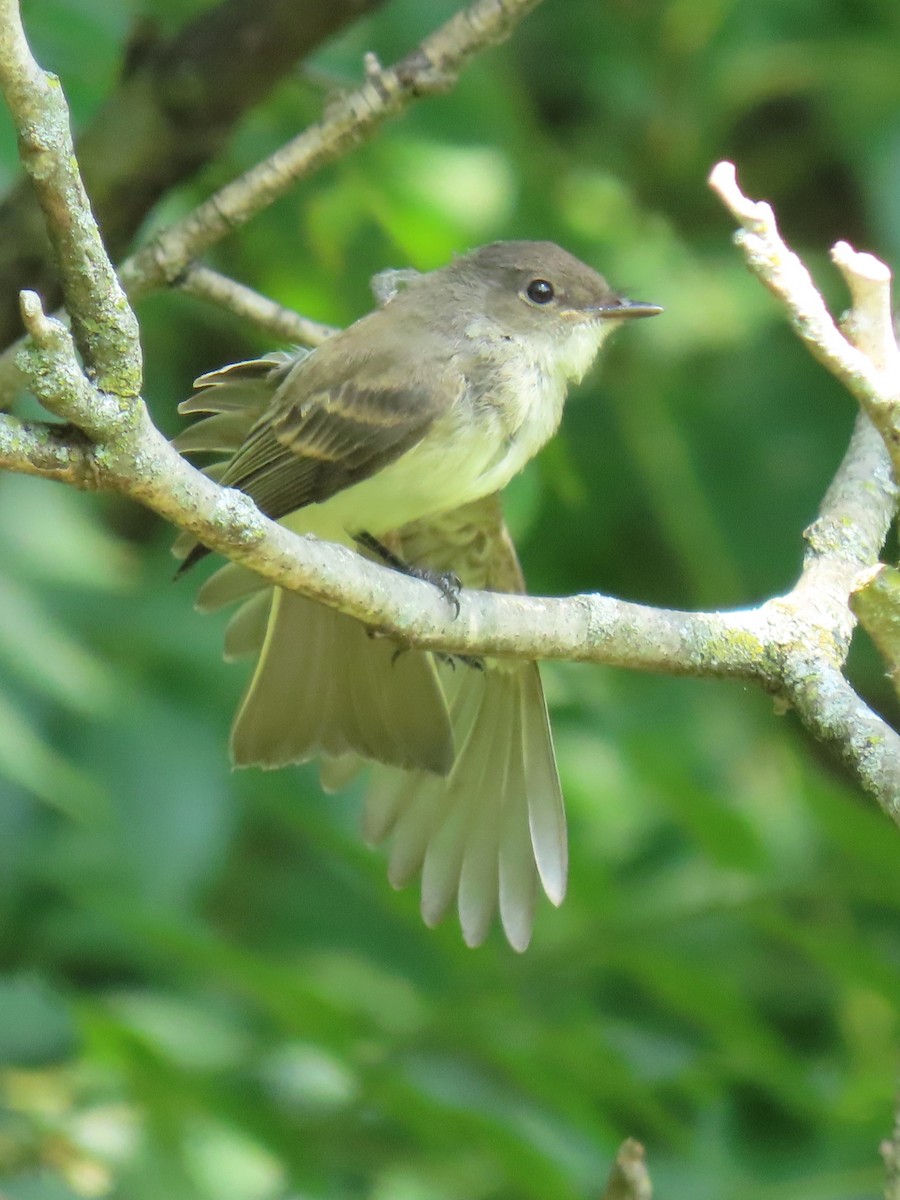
(323, 686)
(495, 828)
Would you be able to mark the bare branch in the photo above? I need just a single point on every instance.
(282, 323)
(136, 460)
(833, 713)
(432, 67)
(776, 646)
(171, 89)
(779, 645)
(874, 383)
(844, 542)
(105, 328)
(793, 646)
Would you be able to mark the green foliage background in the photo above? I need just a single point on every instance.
(208, 989)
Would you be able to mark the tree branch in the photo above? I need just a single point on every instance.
(282, 323)
(172, 91)
(876, 603)
(104, 326)
(794, 646)
(780, 647)
(432, 67)
(873, 381)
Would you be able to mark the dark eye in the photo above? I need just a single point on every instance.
(540, 291)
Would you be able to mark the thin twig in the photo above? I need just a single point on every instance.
(283, 324)
(432, 67)
(170, 87)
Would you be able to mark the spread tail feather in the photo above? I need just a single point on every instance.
(486, 825)
(322, 685)
(495, 827)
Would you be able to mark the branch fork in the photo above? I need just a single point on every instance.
(794, 645)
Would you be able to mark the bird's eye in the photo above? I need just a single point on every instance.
(540, 291)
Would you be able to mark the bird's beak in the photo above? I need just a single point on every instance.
(626, 308)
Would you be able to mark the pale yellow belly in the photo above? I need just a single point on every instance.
(438, 475)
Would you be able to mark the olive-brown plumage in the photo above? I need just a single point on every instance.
(406, 426)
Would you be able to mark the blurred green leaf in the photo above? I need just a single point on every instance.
(36, 1027)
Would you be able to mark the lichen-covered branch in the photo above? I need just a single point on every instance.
(171, 89)
(876, 603)
(48, 451)
(777, 645)
(137, 460)
(794, 646)
(430, 68)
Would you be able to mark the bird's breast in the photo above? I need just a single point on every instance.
(501, 419)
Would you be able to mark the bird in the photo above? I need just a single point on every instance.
(396, 436)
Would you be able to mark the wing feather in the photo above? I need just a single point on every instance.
(322, 430)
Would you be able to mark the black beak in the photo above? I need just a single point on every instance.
(627, 308)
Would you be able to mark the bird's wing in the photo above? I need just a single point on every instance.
(325, 430)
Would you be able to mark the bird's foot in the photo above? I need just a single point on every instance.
(446, 582)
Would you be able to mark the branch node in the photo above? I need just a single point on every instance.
(420, 75)
(50, 363)
(755, 215)
(870, 323)
(45, 331)
(858, 262)
(372, 67)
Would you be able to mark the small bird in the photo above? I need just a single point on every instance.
(396, 436)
